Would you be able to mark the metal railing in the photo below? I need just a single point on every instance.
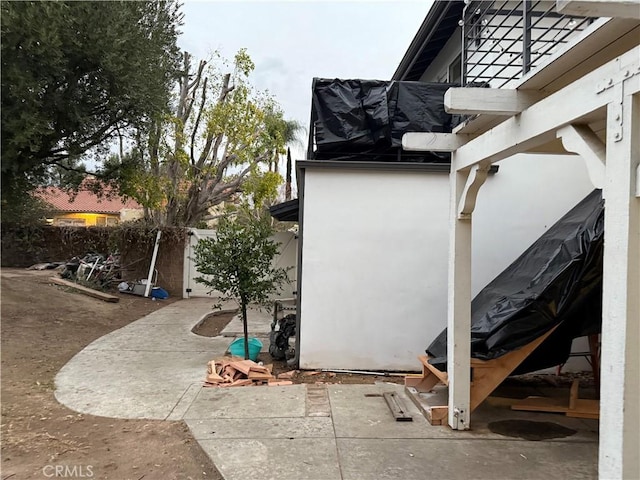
(503, 40)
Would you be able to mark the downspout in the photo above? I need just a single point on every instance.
(300, 177)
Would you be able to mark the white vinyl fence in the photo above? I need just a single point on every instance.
(286, 257)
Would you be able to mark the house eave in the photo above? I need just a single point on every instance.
(432, 35)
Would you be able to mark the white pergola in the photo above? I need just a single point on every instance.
(597, 116)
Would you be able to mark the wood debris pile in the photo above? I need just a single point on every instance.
(237, 372)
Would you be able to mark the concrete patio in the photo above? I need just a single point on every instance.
(153, 368)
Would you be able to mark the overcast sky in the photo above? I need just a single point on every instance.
(293, 41)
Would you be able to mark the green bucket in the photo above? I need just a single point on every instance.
(237, 348)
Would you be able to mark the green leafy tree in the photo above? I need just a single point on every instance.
(214, 147)
(76, 75)
(31, 210)
(238, 262)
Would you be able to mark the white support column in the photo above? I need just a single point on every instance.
(459, 305)
(620, 368)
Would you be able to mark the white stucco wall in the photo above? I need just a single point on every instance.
(515, 206)
(374, 259)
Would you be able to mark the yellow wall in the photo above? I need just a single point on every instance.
(85, 219)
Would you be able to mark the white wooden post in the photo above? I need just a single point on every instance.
(459, 305)
(186, 265)
(152, 266)
(620, 364)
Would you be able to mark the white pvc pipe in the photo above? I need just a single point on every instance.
(153, 264)
(92, 269)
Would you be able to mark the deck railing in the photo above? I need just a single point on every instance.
(503, 40)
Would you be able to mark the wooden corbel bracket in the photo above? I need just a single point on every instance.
(475, 180)
(582, 140)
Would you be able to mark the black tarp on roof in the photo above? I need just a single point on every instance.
(556, 281)
(365, 119)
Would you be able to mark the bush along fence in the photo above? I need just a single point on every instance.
(23, 246)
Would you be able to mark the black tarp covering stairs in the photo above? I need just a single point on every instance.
(557, 281)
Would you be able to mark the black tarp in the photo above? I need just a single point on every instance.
(365, 119)
(556, 281)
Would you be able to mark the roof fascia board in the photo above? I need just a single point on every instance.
(388, 166)
(302, 165)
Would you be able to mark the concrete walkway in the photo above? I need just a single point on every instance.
(153, 368)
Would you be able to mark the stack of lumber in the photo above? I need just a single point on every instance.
(236, 372)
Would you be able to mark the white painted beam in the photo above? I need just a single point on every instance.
(620, 362)
(433, 142)
(537, 124)
(459, 309)
(600, 8)
(583, 141)
(494, 101)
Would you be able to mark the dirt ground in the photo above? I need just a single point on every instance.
(43, 327)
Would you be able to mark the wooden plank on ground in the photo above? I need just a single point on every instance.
(542, 404)
(279, 383)
(214, 378)
(581, 408)
(585, 409)
(211, 367)
(243, 366)
(396, 405)
(259, 368)
(87, 291)
(259, 376)
(237, 383)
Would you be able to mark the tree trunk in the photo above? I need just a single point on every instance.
(287, 187)
(245, 328)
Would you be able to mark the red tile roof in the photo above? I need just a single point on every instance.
(84, 201)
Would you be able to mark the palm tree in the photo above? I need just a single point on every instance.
(291, 130)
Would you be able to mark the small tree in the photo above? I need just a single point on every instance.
(238, 263)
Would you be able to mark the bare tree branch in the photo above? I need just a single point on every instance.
(197, 122)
